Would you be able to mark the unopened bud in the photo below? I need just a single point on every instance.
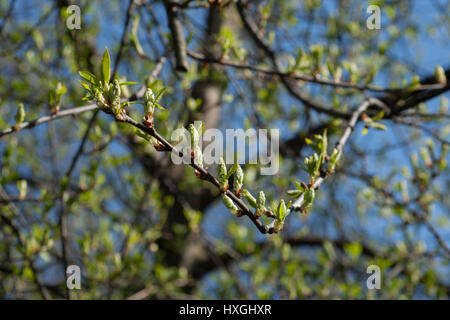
(238, 181)
(229, 204)
(250, 198)
(194, 136)
(222, 173)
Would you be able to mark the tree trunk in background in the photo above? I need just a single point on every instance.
(186, 249)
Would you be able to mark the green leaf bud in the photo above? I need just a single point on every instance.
(238, 180)
(250, 198)
(194, 136)
(149, 101)
(222, 173)
(20, 114)
(229, 204)
(333, 159)
(260, 201)
(198, 156)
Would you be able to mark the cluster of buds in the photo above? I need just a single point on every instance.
(315, 167)
(281, 212)
(238, 181)
(313, 164)
(224, 175)
(308, 195)
(106, 95)
(257, 203)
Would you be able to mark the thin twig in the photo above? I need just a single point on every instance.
(297, 205)
(19, 199)
(307, 78)
(256, 35)
(44, 119)
(421, 127)
(209, 177)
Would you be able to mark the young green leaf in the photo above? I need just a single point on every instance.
(160, 94)
(378, 126)
(365, 131)
(89, 77)
(379, 116)
(281, 211)
(126, 83)
(294, 193)
(86, 86)
(333, 159)
(299, 186)
(106, 68)
(232, 170)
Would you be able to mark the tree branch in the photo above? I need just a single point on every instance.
(312, 79)
(44, 119)
(296, 206)
(252, 29)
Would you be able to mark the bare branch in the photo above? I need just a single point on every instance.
(307, 78)
(44, 119)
